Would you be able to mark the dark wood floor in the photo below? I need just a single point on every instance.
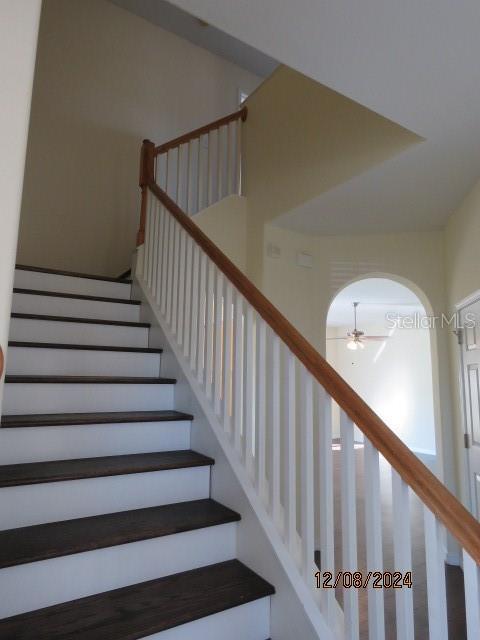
(454, 575)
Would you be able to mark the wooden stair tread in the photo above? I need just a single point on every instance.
(115, 323)
(101, 417)
(142, 609)
(73, 274)
(81, 347)
(58, 470)
(49, 379)
(75, 296)
(55, 539)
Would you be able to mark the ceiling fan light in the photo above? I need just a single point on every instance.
(352, 345)
(361, 345)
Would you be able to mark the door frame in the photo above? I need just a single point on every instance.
(459, 307)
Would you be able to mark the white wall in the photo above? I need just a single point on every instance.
(106, 79)
(18, 41)
(394, 377)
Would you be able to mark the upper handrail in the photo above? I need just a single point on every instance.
(443, 504)
(241, 114)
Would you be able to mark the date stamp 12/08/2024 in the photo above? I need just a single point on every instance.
(359, 580)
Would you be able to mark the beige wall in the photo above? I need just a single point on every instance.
(106, 79)
(225, 223)
(301, 139)
(462, 243)
(18, 42)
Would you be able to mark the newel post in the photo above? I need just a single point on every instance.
(147, 175)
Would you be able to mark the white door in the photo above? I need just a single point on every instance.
(470, 348)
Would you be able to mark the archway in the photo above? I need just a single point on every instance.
(390, 364)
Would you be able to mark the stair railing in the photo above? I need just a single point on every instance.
(271, 394)
(196, 169)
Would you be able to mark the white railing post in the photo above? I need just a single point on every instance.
(373, 537)
(276, 427)
(435, 561)
(290, 453)
(349, 525)
(238, 359)
(471, 573)
(249, 385)
(325, 512)
(219, 344)
(307, 478)
(402, 544)
(227, 364)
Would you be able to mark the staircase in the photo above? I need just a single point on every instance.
(108, 529)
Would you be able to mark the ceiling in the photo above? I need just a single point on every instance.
(377, 297)
(173, 19)
(415, 62)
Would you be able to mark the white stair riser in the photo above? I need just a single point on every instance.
(35, 504)
(249, 621)
(31, 330)
(39, 444)
(41, 584)
(74, 307)
(40, 361)
(70, 284)
(28, 398)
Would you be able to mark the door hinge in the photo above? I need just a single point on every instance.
(466, 439)
(459, 334)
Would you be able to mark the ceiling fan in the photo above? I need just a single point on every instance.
(356, 338)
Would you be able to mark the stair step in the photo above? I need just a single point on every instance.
(117, 323)
(100, 417)
(73, 274)
(143, 609)
(59, 470)
(35, 327)
(40, 301)
(87, 380)
(81, 347)
(75, 296)
(55, 539)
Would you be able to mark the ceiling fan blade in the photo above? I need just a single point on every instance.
(339, 338)
(376, 337)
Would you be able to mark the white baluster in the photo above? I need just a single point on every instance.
(181, 285)
(228, 348)
(218, 343)
(210, 169)
(188, 182)
(156, 236)
(188, 298)
(238, 375)
(435, 560)
(373, 536)
(195, 308)
(146, 243)
(276, 426)
(209, 330)
(249, 383)
(171, 251)
(178, 189)
(167, 170)
(220, 164)
(238, 159)
(261, 421)
(161, 249)
(199, 175)
(307, 478)
(290, 453)
(202, 318)
(402, 545)
(326, 514)
(349, 524)
(166, 250)
(230, 174)
(471, 576)
(176, 266)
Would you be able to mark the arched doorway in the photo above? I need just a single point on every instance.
(389, 361)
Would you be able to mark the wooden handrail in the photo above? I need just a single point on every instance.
(147, 175)
(461, 524)
(196, 133)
